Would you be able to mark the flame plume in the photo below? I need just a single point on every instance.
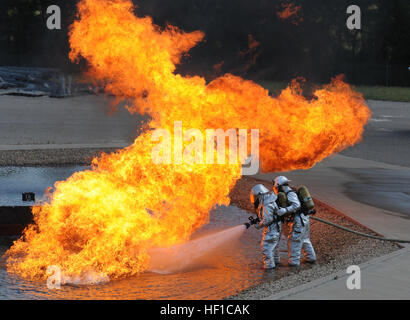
(106, 219)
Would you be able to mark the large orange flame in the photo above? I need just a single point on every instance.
(106, 219)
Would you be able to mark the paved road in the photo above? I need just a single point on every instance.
(387, 136)
(82, 120)
(383, 278)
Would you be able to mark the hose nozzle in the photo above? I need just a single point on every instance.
(252, 221)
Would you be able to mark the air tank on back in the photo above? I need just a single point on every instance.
(306, 200)
(282, 200)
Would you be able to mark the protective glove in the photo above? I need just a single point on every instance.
(281, 212)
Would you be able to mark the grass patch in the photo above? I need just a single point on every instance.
(385, 93)
(369, 92)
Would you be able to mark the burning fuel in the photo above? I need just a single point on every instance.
(107, 219)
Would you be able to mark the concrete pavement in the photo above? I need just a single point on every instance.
(80, 120)
(383, 278)
(387, 135)
(63, 146)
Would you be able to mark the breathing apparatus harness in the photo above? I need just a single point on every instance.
(306, 202)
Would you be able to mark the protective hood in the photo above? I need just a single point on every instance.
(269, 198)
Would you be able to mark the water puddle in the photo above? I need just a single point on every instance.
(16, 180)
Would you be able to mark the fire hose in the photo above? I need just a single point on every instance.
(256, 220)
(357, 232)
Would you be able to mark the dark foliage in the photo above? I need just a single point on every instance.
(317, 48)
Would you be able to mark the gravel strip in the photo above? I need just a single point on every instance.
(50, 156)
(335, 248)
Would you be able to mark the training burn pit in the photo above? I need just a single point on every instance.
(106, 220)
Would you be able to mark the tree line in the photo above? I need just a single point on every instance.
(245, 37)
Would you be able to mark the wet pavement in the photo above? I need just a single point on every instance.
(387, 189)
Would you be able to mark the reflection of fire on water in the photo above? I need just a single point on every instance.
(108, 218)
